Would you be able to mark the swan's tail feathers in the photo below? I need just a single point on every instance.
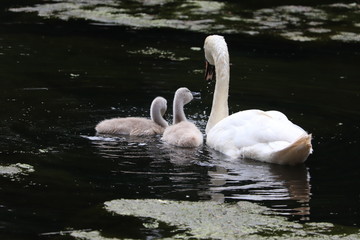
(296, 153)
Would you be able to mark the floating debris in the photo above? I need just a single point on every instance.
(15, 170)
(319, 30)
(297, 36)
(346, 37)
(162, 54)
(195, 48)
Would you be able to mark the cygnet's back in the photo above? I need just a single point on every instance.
(182, 133)
(137, 126)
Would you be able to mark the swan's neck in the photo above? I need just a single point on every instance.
(220, 109)
(178, 110)
(157, 117)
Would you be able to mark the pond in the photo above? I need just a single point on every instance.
(66, 65)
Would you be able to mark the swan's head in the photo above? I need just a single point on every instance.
(184, 94)
(214, 47)
(159, 104)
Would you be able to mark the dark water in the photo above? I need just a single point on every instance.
(59, 78)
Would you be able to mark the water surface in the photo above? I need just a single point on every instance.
(59, 78)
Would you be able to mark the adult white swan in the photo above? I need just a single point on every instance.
(182, 133)
(137, 126)
(254, 134)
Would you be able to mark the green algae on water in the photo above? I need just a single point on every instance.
(212, 220)
(335, 22)
(92, 235)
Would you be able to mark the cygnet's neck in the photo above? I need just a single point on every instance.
(178, 109)
(220, 109)
(156, 114)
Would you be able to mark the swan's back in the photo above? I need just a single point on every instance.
(134, 126)
(260, 135)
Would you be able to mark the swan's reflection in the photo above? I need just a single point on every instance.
(226, 179)
(257, 181)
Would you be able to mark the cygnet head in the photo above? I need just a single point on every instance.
(157, 110)
(159, 103)
(184, 94)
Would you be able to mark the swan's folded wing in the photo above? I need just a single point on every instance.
(254, 130)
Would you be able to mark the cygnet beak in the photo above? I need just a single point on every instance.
(196, 95)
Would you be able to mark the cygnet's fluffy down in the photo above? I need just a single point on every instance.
(137, 126)
(182, 133)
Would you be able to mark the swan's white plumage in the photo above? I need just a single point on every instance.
(182, 133)
(265, 136)
(137, 126)
(257, 135)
